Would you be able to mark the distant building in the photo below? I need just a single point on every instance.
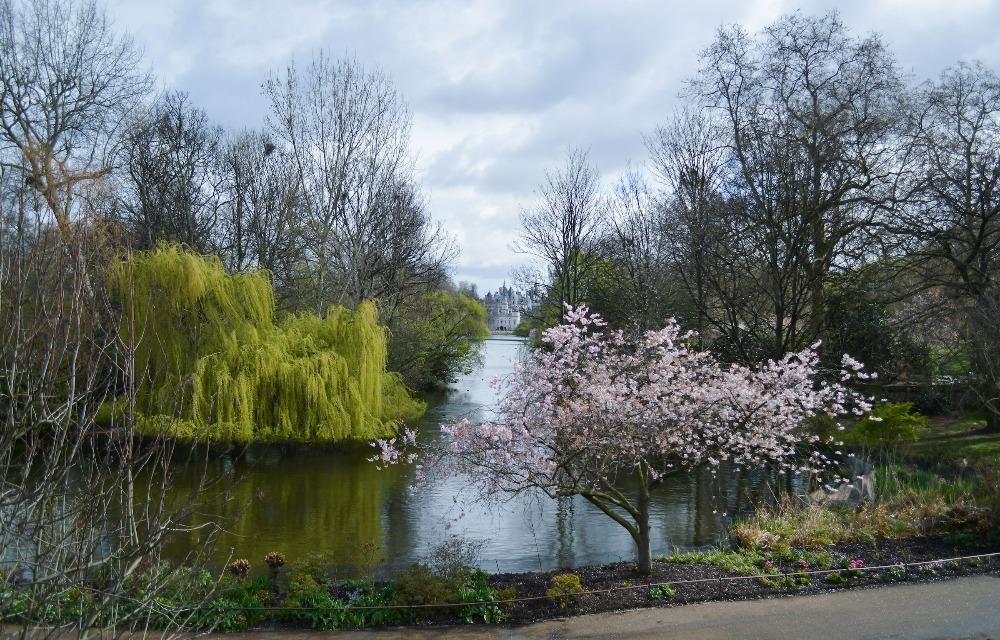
(505, 308)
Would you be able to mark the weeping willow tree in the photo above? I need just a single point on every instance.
(211, 363)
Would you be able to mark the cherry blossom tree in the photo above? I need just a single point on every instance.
(592, 407)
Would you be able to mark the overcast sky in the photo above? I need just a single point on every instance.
(499, 89)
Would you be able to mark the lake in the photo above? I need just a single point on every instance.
(302, 501)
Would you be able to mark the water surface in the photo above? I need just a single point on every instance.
(301, 501)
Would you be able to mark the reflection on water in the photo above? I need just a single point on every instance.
(299, 501)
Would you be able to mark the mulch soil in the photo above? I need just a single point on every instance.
(617, 587)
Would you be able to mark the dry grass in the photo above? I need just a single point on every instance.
(910, 503)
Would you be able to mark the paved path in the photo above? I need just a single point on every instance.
(966, 607)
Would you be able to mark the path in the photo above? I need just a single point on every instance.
(966, 607)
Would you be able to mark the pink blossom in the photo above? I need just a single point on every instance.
(592, 407)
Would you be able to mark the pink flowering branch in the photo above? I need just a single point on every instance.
(592, 407)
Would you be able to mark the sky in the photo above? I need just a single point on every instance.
(500, 90)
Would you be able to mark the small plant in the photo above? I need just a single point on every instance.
(975, 563)
(420, 585)
(931, 568)
(855, 568)
(801, 577)
(953, 565)
(452, 557)
(564, 589)
(239, 568)
(275, 560)
(365, 556)
(898, 571)
(661, 592)
(835, 577)
(626, 584)
(505, 597)
(482, 605)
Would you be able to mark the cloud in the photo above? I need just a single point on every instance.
(499, 89)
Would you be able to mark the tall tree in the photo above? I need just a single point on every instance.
(68, 79)
(435, 338)
(365, 229)
(259, 223)
(562, 227)
(810, 117)
(173, 183)
(954, 217)
(638, 295)
(709, 252)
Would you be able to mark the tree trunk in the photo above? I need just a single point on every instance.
(644, 558)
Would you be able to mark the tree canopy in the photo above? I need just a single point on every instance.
(211, 363)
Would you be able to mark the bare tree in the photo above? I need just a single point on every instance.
(562, 227)
(635, 241)
(954, 215)
(689, 159)
(365, 229)
(261, 200)
(173, 184)
(259, 225)
(810, 116)
(67, 82)
(84, 501)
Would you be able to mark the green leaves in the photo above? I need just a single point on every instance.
(213, 364)
(436, 338)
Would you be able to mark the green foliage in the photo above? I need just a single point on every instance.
(523, 329)
(960, 440)
(419, 584)
(436, 338)
(157, 597)
(661, 592)
(860, 323)
(447, 578)
(888, 424)
(218, 367)
(505, 597)
(237, 608)
(749, 562)
(564, 589)
(319, 610)
(745, 562)
(482, 602)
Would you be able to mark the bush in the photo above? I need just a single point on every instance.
(303, 588)
(564, 589)
(452, 557)
(933, 402)
(420, 585)
(887, 425)
(506, 596)
(481, 599)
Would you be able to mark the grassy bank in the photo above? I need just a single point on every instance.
(933, 477)
(956, 439)
(936, 513)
